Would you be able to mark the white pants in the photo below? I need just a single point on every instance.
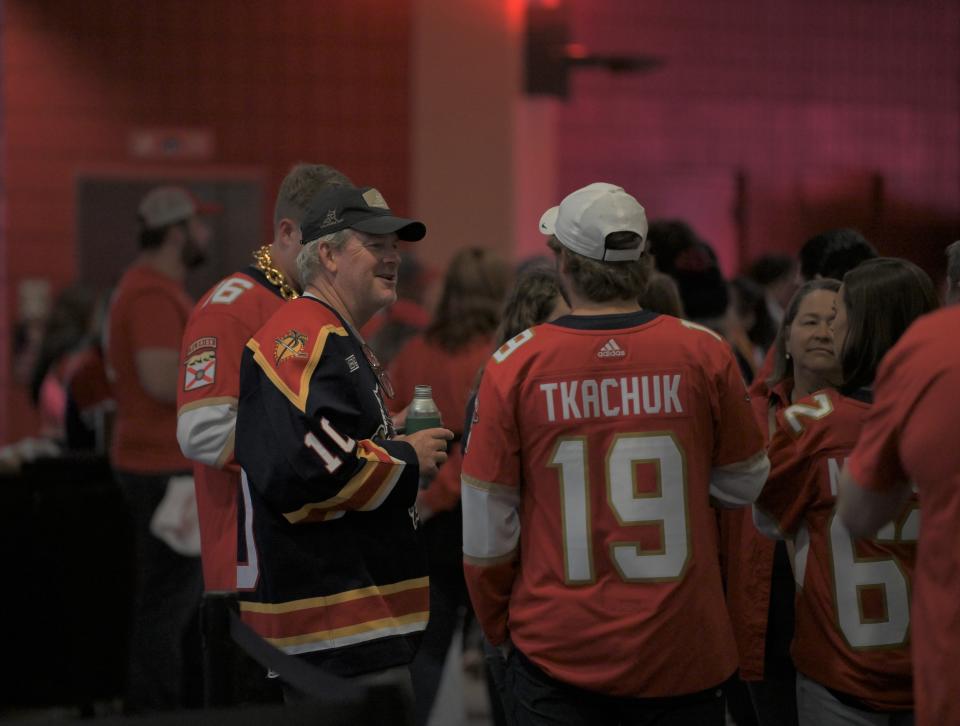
(816, 706)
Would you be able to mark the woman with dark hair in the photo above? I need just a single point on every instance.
(536, 298)
(447, 356)
(867, 324)
(852, 624)
(760, 588)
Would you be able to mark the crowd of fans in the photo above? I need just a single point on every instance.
(262, 429)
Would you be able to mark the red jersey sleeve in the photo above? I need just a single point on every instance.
(212, 348)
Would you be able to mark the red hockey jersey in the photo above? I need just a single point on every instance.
(853, 600)
(589, 539)
(213, 343)
(911, 433)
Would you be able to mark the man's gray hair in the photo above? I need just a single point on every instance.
(308, 261)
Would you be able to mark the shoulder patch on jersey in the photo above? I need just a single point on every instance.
(201, 364)
(504, 351)
(290, 345)
(293, 360)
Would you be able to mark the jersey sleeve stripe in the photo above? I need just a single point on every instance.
(740, 483)
(340, 597)
(365, 490)
(332, 621)
(297, 397)
(341, 637)
(227, 454)
(488, 486)
(491, 520)
(205, 433)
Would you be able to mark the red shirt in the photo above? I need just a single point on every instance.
(911, 434)
(748, 559)
(219, 327)
(589, 538)
(148, 310)
(853, 600)
(452, 376)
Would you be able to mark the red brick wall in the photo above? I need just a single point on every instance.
(834, 111)
(276, 82)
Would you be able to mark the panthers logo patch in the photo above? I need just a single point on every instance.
(291, 345)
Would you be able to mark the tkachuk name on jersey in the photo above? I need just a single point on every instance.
(610, 397)
(610, 349)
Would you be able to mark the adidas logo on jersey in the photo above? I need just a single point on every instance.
(610, 349)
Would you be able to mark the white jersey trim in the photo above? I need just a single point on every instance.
(739, 484)
(491, 519)
(205, 433)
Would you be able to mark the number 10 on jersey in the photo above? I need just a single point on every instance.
(665, 506)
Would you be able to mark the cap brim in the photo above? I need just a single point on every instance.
(409, 230)
(548, 221)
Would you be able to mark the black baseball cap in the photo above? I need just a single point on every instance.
(361, 208)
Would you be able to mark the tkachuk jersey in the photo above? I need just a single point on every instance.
(213, 343)
(589, 538)
(853, 600)
(331, 565)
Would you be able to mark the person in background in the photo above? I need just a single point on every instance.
(760, 589)
(909, 442)
(447, 357)
(750, 308)
(146, 320)
(662, 296)
(846, 250)
(332, 568)
(218, 329)
(776, 274)
(549, 470)
(852, 625)
(64, 330)
(829, 255)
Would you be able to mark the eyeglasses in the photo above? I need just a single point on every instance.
(383, 378)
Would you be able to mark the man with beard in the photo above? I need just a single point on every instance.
(147, 317)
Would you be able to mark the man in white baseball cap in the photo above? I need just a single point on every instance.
(597, 444)
(583, 221)
(147, 317)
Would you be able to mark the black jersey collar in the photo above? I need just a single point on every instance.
(612, 321)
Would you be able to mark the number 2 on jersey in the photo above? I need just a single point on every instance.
(666, 507)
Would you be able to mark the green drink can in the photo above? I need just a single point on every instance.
(423, 412)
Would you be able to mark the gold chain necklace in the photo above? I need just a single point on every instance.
(273, 275)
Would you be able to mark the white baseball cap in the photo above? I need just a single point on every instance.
(166, 205)
(585, 217)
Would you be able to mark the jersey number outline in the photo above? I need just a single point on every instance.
(793, 414)
(666, 507)
(853, 575)
(229, 290)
